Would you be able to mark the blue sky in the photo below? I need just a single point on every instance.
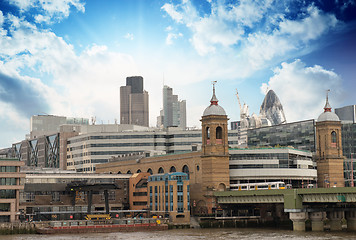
(69, 57)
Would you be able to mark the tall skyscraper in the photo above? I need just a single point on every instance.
(174, 110)
(134, 102)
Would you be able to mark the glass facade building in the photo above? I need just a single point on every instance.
(300, 135)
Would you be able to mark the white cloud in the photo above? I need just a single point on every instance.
(129, 36)
(171, 37)
(50, 9)
(172, 12)
(301, 89)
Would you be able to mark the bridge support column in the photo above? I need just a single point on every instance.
(317, 222)
(298, 220)
(351, 220)
(335, 220)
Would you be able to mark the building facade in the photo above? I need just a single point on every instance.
(346, 114)
(300, 135)
(329, 155)
(169, 195)
(52, 195)
(208, 169)
(288, 165)
(134, 102)
(10, 186)
(138, 191)
(174, 110)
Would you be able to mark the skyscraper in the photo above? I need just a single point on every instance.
(134, 102)
(174, 110)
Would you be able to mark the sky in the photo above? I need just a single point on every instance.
(70, 57)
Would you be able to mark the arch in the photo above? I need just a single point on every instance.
(185, 169)
(333, 138)
(198, 168)
(173, 169)
(119, 172)
(138, 171)
(150, 171)
(221, 187)
(128, 172)
(207, 132)
(219, 133)
(161, 170)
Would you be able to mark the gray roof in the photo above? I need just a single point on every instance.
(328, 116)
(214, 110)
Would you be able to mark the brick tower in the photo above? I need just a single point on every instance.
(215, 150)
(329, 155)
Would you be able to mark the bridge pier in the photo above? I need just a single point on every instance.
(298, 219)
(335, 218)
(351, 220)
(317, 221)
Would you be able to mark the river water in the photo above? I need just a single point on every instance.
(193, 234)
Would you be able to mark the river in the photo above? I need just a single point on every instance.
(193, 234)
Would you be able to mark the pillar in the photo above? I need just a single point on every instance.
(107, 208)
(335, 220)
(317, 221)
(298, 220)
(90, 199)
(351, 220)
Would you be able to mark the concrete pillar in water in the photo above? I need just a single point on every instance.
(351, 220)
(298, 220)
(317, 221)
(335, 220)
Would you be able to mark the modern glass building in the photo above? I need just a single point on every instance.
(299, 135)
(348, 136)
(291, 166)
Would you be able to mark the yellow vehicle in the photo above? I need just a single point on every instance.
(98, 217)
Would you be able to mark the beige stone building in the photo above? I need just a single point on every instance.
(10, 185)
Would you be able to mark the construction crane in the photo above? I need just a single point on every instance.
(243, 109)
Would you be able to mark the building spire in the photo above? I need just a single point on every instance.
(327, 107)
(214, 100)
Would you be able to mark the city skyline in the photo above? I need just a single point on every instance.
(69, 58)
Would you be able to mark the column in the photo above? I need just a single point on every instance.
(317, 221)
(298, 220)
(90, 199)
(335, 220)
(351, 220)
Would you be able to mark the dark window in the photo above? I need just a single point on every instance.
(218, 133)
(160, 170)
(172, 169)
(208, 133)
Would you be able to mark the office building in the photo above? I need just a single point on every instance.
(49, 124)
(288, 165)
(10, 186)
(138, 191)
(174, 110)
(134, 102)
(346, 114)
(300, 135)
(169, 193)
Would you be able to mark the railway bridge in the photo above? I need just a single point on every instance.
(335, 205)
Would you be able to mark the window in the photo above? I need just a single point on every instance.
(333, 139)
(160, 170)
(219, 133)
(207, 133)
(150, 171)
(172, 169)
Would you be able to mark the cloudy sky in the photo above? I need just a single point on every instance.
(69, 57)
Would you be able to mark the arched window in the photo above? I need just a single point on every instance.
(119, 172)
(185, 169)
(207, 133)
(219, 135)
(160, 170)
(150, 171)
(172, 169)
(333, 139)
(138, 170)
(128, 172)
